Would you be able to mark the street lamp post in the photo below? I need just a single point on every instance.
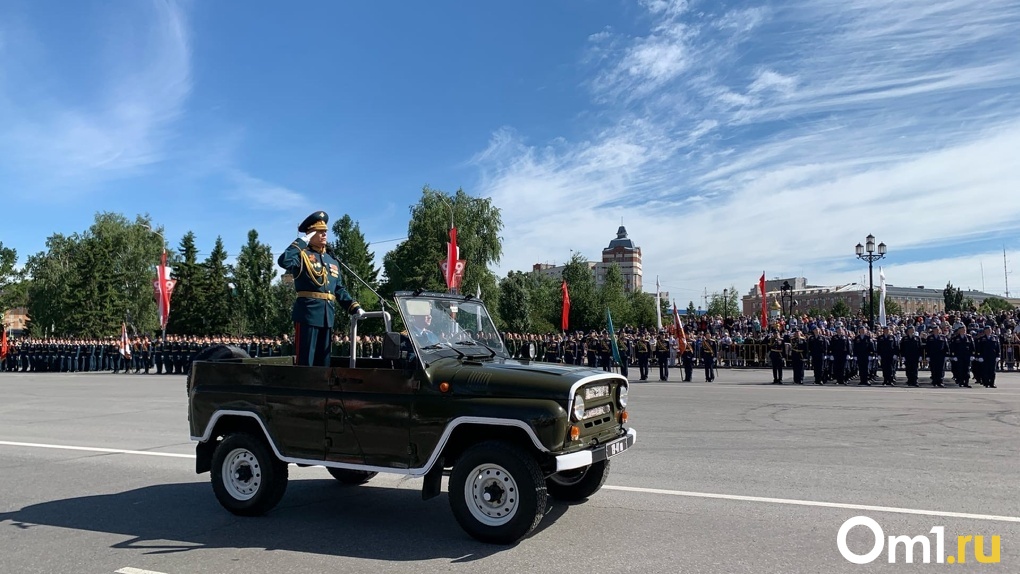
(786, 294)
(871, 255)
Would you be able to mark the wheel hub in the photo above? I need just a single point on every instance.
(491, 494)
(242, 474)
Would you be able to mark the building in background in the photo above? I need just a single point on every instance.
(16, 321)
(622, 251)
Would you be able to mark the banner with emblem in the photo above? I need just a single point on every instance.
(163, 287)
(453, 266)
(125, 344)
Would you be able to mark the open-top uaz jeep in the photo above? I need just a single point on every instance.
(444, 397)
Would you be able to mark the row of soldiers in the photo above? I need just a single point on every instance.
(634, 347)
(839, 357)
(172, 355)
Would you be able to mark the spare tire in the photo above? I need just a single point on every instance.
(214, 354)
(221, 353)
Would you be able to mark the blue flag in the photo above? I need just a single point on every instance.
(612, 336)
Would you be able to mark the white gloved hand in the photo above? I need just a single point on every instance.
(307, 237)
(981, 359)
(953, 359)
(359, 312)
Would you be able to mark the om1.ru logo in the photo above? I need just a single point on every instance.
(910, 544)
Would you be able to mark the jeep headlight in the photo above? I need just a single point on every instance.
(578, 407)
(622, 396)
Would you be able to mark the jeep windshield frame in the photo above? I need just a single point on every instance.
(442, 325)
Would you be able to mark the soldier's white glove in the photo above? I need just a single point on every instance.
(359, 312)
(307, 237)
(953, 359)
(981, 359)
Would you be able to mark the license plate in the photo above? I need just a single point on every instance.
(597, 411)
(596, 392)
(615, 448)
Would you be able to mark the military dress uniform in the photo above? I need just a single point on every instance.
(937, 347)
(910, 348)
(643, 350)
(961, 347)
(818, 347)
(798, 357)
(888, 350)
(709, 351)
(987, 350)
(317, 282)
(777, 352)
(662, 357)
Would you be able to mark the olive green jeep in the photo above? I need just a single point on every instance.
(444, 398)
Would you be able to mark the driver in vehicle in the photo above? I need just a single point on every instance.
(421, 329)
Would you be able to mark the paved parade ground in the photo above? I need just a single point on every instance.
(734, 476)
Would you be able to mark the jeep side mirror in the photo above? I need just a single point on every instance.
(391, 347)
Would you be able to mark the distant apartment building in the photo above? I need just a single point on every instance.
(622, 251)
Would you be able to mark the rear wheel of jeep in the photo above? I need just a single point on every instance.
(497, 493)
(247, 478)
(579, 483)
(353, 477)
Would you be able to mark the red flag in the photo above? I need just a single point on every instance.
(125, 345)
(566, 306)
(452, 256)
(764, 303)
(3, 344)
(678, 326)
(163, 286)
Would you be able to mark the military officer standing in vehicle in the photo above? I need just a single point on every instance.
(317, 281)
(910, 348)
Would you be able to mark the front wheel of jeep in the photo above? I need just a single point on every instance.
(247, 478)
(578, 484)
(497, 492)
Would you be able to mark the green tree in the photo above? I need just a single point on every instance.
(585, 310)
(12, 290)
(545, 299)
(724, 306)
(995, 305)
(283, 302)
(350, 247)
(953, 298)
(891, 306)
(611, 295)
(840, 309)
(86, 284)
(217, 292)
(691, 311)
(414, 263)
(642, 309)
(253, 280)
(514, 303)
(189, 303)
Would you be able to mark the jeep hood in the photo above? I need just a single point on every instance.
(514, 378)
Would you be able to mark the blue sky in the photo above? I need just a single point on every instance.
(729, 137)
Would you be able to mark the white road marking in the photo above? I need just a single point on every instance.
(96, 449)
(815, 503)
(130, 570)
(634, 489)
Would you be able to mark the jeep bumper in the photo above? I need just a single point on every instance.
(595, 454)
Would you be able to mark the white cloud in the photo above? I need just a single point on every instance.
(57, 137)
(261, 194)
(792, 138)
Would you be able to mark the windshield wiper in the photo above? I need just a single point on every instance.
(438, 346)
(478, 344)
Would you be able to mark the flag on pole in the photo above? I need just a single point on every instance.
(125, 345)
(3, 344)
(612, 336)
(163, 286)
(678, 326)
(658, 305)
(881, 299)
(565, 320)
(453, 266)
(764, 303)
